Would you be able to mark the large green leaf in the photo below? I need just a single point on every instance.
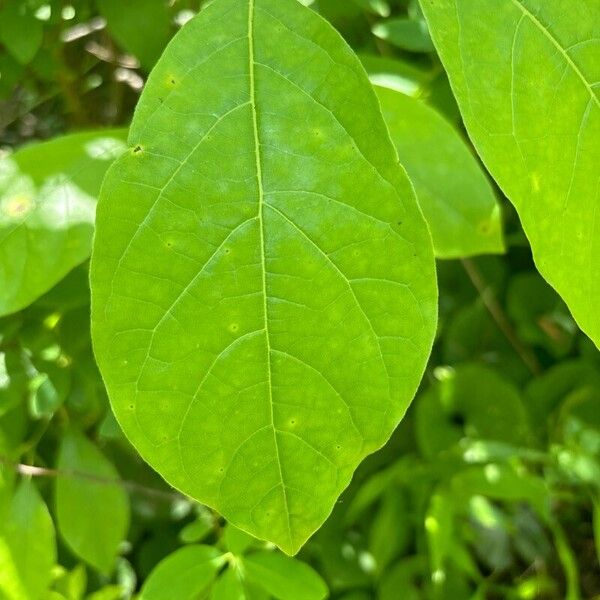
(263, 288)
(456, 198)
(92, 513)
(48, 197)
(526, 78)
(27, 546)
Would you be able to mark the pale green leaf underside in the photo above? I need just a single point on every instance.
(263, 283)
(48, 194)
(455, 196)
(527, 79)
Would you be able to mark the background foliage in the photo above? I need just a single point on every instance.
(488, 489)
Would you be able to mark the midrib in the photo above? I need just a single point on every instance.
(252, 68)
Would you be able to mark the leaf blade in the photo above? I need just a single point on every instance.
(228, 273)
(534, 115)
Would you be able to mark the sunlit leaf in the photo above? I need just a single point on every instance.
(185, 574)
(48, 197)
(27, 546)
(526, 79)
(263, 282)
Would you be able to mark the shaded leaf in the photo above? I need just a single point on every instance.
(456, 198)
(92, 514)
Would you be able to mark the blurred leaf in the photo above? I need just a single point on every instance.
(395, 74)
(92, 515)
(378, 7)
(471, 401)
(456, 198)
(72, 584)
(391, 529)
(185, 574)
(141, 27)
(237, 541)
(197, 530)
(20, 32)
(284, 577)
(540, 316)
(48, 196)
(408, 34)
(27, 546)
(13, 380)
(502, 482)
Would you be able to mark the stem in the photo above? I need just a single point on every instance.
(130, 486)
(497, 313)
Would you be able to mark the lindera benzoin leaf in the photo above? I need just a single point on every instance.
(526, 79)
(456, 198)
(48, 195)
(92, 516)
(263, 285)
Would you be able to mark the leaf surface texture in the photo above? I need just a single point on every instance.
(263, 283)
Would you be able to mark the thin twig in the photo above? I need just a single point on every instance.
(130, 486)
(497, 312)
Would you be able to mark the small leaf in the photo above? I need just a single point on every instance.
(456, 198)
(48, 196)
(92, 513)
(184, 575)
(237, 541)
(283, 577)
(229, 586)
(407, 34)
(525, 78)
(27, 546)
(394, 74)
(263, 287)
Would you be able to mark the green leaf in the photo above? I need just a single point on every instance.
(471, 401)
(456, 198)
(20, 32)
(184, 575)
(283, 577)
(525, 79)
(13, 379)
(395, 74)
(92, 513)
(230, 586)
(27, 546)
(48, 194)
(378, 7)
(141, 27)
(263, 288)
(408, 34)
